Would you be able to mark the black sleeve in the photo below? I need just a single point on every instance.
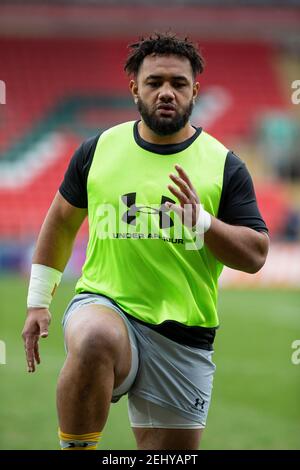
(238, 205)
(74, 186)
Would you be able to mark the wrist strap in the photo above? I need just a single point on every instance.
(204, 221)
(42, 285)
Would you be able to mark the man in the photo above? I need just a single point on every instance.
(144, 318)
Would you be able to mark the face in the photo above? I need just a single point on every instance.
(164, 91)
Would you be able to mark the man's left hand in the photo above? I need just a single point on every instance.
(189, 207)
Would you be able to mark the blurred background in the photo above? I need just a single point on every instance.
(61, 81)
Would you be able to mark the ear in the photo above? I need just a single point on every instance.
(196, 87)
(134, 90)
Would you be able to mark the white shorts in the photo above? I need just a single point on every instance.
(169, 384)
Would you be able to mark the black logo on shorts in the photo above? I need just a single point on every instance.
(129, 217)
(199, 404)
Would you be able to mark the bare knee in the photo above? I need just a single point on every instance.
(97, 337)
(93, 342)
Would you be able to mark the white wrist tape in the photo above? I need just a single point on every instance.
(204, 221)
(43, 282)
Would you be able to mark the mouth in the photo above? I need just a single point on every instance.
(166, 109)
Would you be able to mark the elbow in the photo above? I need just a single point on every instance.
(259, 256)
(256, 265)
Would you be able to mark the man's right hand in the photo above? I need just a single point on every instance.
(36, 327)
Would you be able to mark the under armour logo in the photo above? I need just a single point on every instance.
(197, 403)
(129, 217)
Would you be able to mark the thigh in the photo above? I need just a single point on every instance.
(157, 427)
(95, 332)
(173, 376)
(167, 439)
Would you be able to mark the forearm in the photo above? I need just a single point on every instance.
(57, 235)
(240, 248)
(53, 249)
(54, 246)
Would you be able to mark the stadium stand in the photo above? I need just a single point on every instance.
(64, 91)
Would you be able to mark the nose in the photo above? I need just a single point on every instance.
(166, 93)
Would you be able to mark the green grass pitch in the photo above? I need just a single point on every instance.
(256, 392)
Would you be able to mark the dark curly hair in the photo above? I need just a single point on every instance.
(163, 44)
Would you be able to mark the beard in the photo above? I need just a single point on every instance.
(164, 126)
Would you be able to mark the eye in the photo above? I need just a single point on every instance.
(179, 85)
(154, 84)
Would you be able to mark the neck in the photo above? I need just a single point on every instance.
(149, 136)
